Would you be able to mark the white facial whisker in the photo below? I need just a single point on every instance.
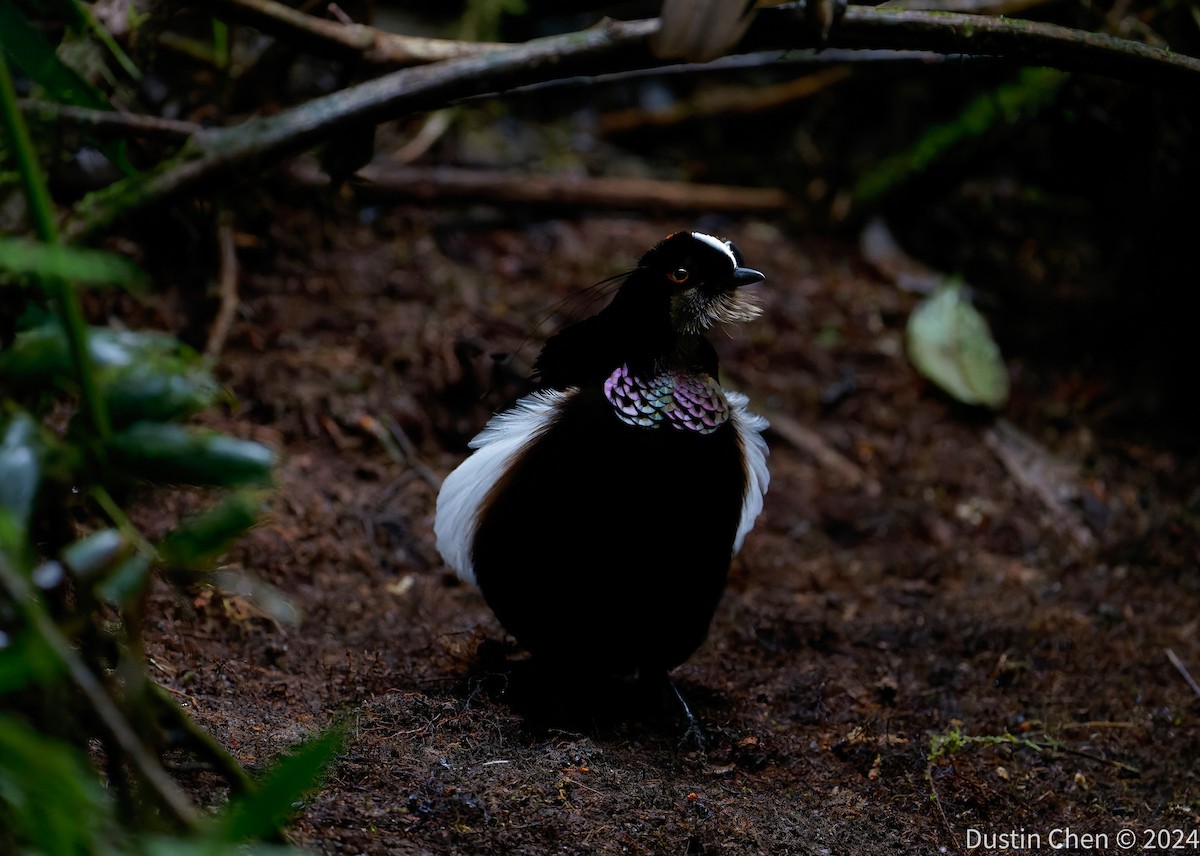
(694, 311)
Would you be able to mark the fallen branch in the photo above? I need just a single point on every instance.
(227, 282)
(1055, 482)
(440, 184)
(880, 249)
(799, 436)
(399, 447)
(708, 103)
(615, 46)
(809, 441)
(1183, 670)
(343, 40)
(408, 90)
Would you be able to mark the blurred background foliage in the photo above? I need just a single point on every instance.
(1067, 202)
(91, 419)
(1046, 192)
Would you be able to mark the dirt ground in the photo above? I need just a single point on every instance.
(943, 622)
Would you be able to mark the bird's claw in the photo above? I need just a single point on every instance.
(693, 735)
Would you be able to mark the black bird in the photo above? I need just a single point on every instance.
(599, 514)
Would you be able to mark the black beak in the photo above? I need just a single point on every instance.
(746, 276)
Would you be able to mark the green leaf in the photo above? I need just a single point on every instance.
(25, 46)
(157, 392)
(267, 809)
(163, 453)
(143, 374)
(950, 343)
(96, 554)
(26, 659)
(200, 541)
(49, 261)
(36, 356)
(50, 801)
(126, 580)
(22, 455)
(83, 14)
(13, 537)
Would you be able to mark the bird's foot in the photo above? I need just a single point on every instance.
(661, 684)
(693, 736)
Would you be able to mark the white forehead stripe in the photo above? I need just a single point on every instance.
(716, 244)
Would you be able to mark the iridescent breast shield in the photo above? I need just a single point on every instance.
(688, 402)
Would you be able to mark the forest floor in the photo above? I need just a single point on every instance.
(944, 627)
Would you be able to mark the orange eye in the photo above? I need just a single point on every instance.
(678, 276)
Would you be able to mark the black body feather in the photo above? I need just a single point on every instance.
(605, 544)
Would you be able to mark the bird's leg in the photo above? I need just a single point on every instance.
(660, 680)
(693, 734)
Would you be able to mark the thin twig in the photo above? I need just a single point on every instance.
(800, 436)
(1183, 670)
(401, 449)
(411, 454)
(337, 38)
(1049, 745)
(759, 59)
(707, 103)
(173, 799)
(1099, 759)
(340, 13)
(227, 281)
(112, 122)
(1054, 481)
(1096, 723)
(440, 184)
(937, 800)
(806, 57)
(807, 440)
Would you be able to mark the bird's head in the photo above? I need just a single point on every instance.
(698, 278)
(683, 285)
